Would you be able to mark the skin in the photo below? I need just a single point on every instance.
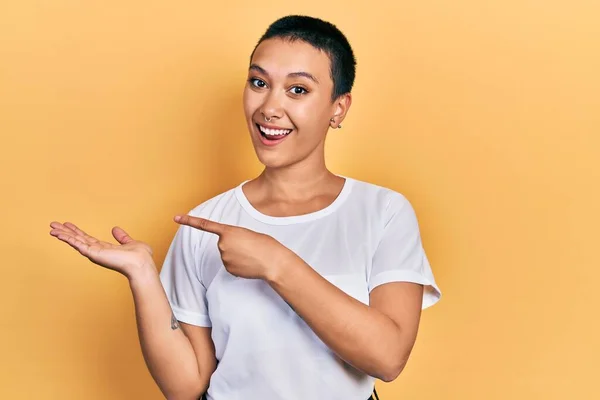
(295, 179)
(290, 84)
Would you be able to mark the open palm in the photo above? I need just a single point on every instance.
(124, 257)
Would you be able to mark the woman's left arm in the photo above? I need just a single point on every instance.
(376, 339)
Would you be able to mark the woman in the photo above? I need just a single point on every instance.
(297, 284)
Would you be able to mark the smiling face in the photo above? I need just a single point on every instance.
(287, 102)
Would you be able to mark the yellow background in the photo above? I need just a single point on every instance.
(485, 114)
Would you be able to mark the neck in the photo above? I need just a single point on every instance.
(295, 182)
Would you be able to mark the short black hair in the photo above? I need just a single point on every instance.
(323, 36)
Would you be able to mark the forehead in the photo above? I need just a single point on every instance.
(280, 57)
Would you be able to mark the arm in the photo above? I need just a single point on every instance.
(180, 357)
(181, 361)
(375, 339)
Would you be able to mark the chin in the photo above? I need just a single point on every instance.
(271, 158)
(273, 161)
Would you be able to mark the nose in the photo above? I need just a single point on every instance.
(272, 106)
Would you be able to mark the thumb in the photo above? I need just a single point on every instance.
(121, 236)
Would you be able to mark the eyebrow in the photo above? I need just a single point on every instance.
(256, 67)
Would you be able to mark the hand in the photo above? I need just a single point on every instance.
(127, 258)
(245, 253)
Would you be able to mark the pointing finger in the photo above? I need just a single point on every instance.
(202, 224)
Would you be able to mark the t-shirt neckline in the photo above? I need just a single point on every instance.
(294, 219)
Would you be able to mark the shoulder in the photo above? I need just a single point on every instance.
(383, 198)
(216, 206)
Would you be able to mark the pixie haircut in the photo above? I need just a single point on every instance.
(323, 36)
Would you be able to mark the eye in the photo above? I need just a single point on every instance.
(298, 90)
(259, 83)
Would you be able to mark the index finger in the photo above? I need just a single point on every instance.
(202, 224)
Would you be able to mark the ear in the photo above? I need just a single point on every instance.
(341, 105)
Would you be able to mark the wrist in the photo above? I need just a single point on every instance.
(142, 274)
(279, 268)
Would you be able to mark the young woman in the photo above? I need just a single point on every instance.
(298, 284)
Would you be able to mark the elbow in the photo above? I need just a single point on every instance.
(189, 395)
(390, 369)
(184, 395)
(390, 374)
(192, 391)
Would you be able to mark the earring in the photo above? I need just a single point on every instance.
(333, 120)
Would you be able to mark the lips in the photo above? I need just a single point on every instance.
(271, 135)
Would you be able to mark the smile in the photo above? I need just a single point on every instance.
(272, 135)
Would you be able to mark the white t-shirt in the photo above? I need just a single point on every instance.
(367, 237)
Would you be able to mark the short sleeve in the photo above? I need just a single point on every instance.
(399, 255)
(180, 279)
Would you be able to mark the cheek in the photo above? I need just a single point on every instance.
(307, 114)
(251, 101)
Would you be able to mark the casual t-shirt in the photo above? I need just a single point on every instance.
(367, 237)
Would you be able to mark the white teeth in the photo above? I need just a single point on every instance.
(274, 132)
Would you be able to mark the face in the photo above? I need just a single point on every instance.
(287, 102)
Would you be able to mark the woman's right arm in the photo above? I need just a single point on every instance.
(180, 357)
